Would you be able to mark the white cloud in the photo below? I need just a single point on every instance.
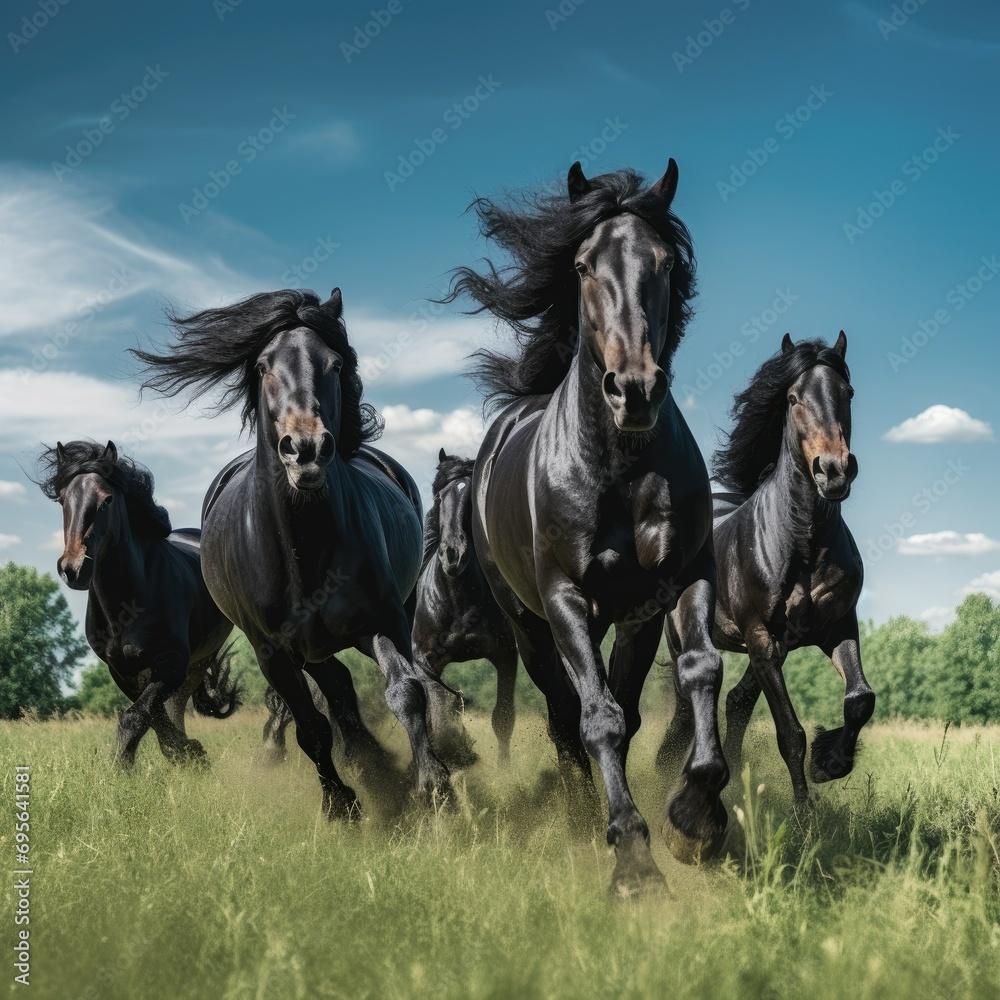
(6, 541)
(54, 543)
(458, 431)
(938, 424)
(12, 491)
(948, 543)
(988, 583)
(67, 255)
(337, 142)
(937, 617)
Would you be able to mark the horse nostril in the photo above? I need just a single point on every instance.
(817, 466)
(286, 447)
(611, 389)
(328, 447)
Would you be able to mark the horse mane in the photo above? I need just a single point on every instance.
(753, 445)
(537, 294)
(218, 348)
(146, 517)
(450, 469)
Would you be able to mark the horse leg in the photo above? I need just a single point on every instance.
(450, 739)
(677, 739)
(505, 663)
(278, 718)
(767, 659)
(334, 680)
(602, 727)
(546, 670)
(312, 729)
(167, 678)
(696, 816)
(833, 751)
(406, 689)
(740, 704)
(632, 657)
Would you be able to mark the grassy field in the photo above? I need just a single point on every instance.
(228, 883)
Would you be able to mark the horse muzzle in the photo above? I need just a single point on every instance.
(833, 476)
(635, 401)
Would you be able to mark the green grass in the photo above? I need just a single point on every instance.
(229, 884)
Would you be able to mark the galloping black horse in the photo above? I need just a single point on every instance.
(592, 502)
(789, 571)
(457, 618)
(311, 541)
(150, 617)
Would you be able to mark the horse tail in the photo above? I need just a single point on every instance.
(217, 696)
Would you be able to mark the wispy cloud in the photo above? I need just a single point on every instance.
(937, 424)
(6, 541)
(948, 543)
(12, 491)
(337, 142)
(66, 254)
(988, 583)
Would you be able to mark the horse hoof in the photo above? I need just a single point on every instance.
(694, 831)
(342, 804)
(636, 874)
(827, 761)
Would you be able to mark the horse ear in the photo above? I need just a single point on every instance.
(61, 451)
(111, 452)
(666, 186)
(442, 455)
(786, 344)
(576, 182)
(335, 303)
(841, 346)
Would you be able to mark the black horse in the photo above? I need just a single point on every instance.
(311, 541)
(150, 617)
(592, 501)
(457, 618)
(789, 571)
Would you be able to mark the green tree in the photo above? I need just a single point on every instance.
(902, 661)
(98, 693)
(39, 643)
(970, 684)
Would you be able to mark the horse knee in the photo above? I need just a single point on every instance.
(699, 670)
(602, 726)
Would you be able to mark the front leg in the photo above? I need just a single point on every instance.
(603, 729)
(833, 751)
(696, 816)
(406, 696)
(167, 675)
(767, 657)
(312, 728)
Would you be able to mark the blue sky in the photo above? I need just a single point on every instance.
(837, 171)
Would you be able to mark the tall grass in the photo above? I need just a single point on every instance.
(228, 883)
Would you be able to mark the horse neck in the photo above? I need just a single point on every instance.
(118, 574)
(797, 501)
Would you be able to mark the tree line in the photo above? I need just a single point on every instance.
(952, 675)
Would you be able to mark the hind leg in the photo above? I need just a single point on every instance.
(278, 718)
(833, 751)
(505, 662)
(740, 704)
(632, 657)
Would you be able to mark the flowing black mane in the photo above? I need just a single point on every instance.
(754, 443)
(57, 467)
(219, 348)
(449, 469)
(537, 294)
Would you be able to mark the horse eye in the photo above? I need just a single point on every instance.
(792, 398)
(338, 363)
(850, 393)
(261, 369)
(581, 268)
